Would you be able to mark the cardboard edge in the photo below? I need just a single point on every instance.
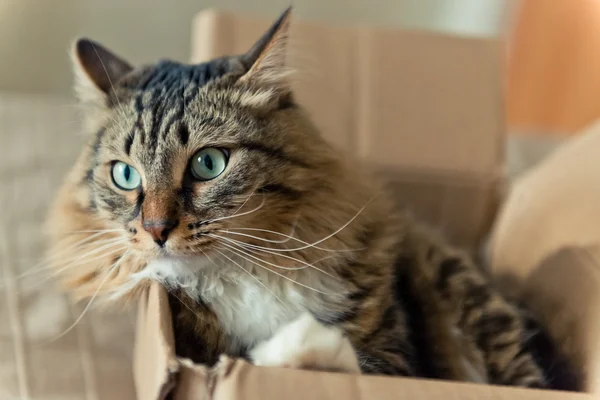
(194, 382)
(155, 364)
(238, 379)
(198, 382)
(212, 12)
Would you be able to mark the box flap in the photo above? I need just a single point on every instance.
(155, 364)
(430, 101)
(240, 380)
(194, 382)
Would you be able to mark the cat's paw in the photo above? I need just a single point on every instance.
(307, 344)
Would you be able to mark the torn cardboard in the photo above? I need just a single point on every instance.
(423, 109)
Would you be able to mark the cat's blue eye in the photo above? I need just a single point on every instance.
(125, 176)
(208, 163)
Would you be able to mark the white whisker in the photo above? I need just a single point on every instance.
(58, 254)
(228, 231)
(89, 304)
(248, 272)
(238, 247)
(238, 215)
(96, 231)
(288, 237)
(313, 245)
(240, 253)
(41, 267)
(71, 247)
(215, 265)
(184, 304)
(72, 264)
(258, 238)
(245, 201)
(306, 264)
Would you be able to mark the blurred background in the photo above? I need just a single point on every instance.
(37, 33)
(553, 69)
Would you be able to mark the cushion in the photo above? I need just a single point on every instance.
(545, 246)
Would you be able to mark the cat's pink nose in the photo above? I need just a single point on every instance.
(159, 230)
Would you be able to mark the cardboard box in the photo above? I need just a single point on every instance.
(423, 109)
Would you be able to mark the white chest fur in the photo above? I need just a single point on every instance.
(250, 302)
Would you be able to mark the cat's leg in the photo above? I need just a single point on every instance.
(307, 344)
(382, 343)
(484, 318)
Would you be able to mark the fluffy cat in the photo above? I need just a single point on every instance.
(273, 246)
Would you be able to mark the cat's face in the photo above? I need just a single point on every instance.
(185, 152)
(204, 160)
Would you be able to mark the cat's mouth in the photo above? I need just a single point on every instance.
(178, 244)
(185, 248)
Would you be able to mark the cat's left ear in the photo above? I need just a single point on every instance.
(266, 59)
(97, 71)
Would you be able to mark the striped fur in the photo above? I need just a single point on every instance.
(292, 225)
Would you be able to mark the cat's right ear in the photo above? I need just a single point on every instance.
(266, 59)
(97, 70)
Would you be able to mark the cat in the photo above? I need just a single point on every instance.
(273, 245)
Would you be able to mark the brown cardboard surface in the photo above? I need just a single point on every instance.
(155, 366)
(423, 109)
(429, 101)
(193, 382)
(244, 381)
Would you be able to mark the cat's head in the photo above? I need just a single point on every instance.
(186, 159)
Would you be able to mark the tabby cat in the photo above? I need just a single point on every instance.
(273, 246)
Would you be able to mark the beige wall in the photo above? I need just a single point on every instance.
(35, 34)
